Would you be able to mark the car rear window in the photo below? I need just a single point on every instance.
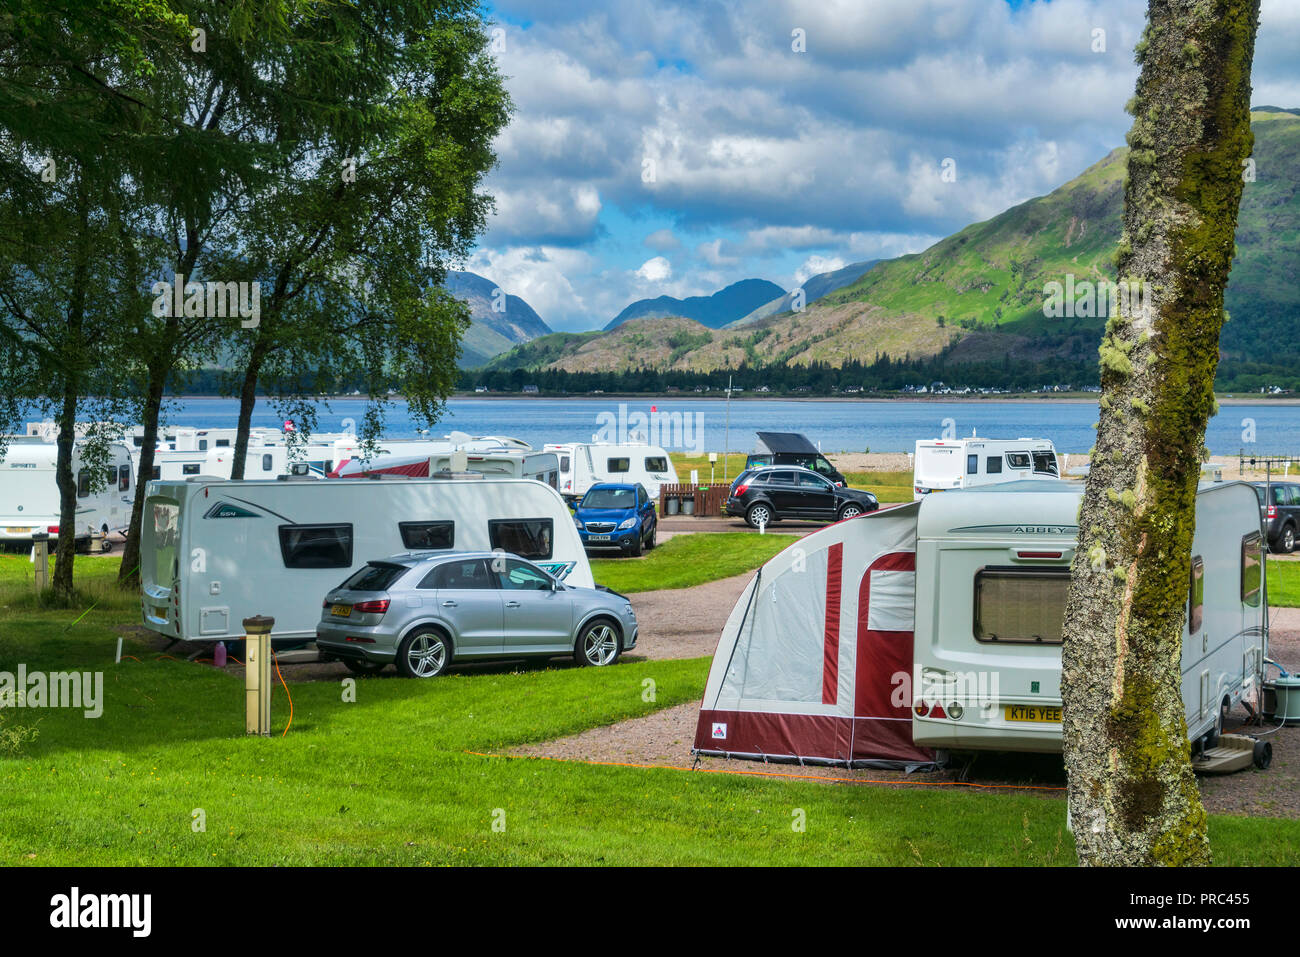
(424, 535)
(375, 576)
(525, 537)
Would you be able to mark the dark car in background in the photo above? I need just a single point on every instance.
(792, 448)
(613, 515)
(1279, 514)
(772, 493)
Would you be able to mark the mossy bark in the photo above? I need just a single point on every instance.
(1133, 797)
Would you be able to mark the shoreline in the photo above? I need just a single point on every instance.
(1066, 399)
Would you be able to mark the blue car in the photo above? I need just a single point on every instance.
(617, 516)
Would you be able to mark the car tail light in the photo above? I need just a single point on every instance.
(376, 607)
(326, 603)
(1272, 513)
(741, 489)
(360, 641)
(52, 529)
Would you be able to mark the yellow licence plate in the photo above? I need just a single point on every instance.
(341, 611)
(19, 529)
(1032, 712)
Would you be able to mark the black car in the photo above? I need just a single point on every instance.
(766, 495)
(1279, 513)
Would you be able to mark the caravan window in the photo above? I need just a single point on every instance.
(428, 534)
(1045, 463)
(156, 473)
(1018, 460)
(619, 465)
(190, 468)
(83, 483)
(124, 478)
(1250, 570)
(266, 462)
(994, 465)
(163, 523)
(564, 463)
(1020, 604)
(525, 537)
(972, 464)
(1196, 596)
(223, 443)
(203, 445)
(316, 546)
(656, 463)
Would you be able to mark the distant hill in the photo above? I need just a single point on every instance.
(977, 296)
(813, 289)
(492, 332)
(715, 311)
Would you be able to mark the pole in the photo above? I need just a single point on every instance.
(41, 560)
(726, 455)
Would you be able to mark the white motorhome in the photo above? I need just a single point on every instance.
(505, 463)
(992, 570)
(29, 493)
(943, 464)
(584, 464)
(216, 552)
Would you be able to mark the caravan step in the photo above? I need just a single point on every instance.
(1234, 752)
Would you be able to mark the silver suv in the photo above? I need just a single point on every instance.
(421, 610)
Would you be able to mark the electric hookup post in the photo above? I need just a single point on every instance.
(41, 560)
(257, 674)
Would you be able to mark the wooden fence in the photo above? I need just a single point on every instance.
(705, 499)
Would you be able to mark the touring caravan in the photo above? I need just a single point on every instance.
(584, 464)
(944, 464)
(503, 462)
(216, 552)
(851, 646)
(29, 493)
(990, 600)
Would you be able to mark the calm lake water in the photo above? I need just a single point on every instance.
(837, 425)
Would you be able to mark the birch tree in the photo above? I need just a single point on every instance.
(1132, 794)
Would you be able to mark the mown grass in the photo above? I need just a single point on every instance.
(389, 778)
(886, 486)
(686, 560)
(1283, 583)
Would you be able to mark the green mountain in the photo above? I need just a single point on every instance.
(978, 295)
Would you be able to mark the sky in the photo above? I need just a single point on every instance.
(665, 148)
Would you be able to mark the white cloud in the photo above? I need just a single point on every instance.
(815, 265)
(655, 270)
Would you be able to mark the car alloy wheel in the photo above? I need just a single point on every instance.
(850, 511)
(599, 645)
(1288, 540)
(424, 654)
(758, 516)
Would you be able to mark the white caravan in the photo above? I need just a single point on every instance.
(29, 492)
(943, 464)
(503, 463)
(584, 464)
(992, 570)
(216, 552)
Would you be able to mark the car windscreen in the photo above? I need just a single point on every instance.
(610, 498)
(375, 576)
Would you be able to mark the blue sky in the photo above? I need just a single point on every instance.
(676, 147)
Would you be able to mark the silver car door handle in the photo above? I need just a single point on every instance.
(512, 604)
(449, 604)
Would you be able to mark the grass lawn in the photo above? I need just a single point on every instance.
(386, 779)
(886, 486)
(686, 560)
(1283, 583)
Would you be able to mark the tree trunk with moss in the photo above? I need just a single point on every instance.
(1133, 797)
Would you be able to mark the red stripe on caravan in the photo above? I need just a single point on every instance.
(831, 653)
